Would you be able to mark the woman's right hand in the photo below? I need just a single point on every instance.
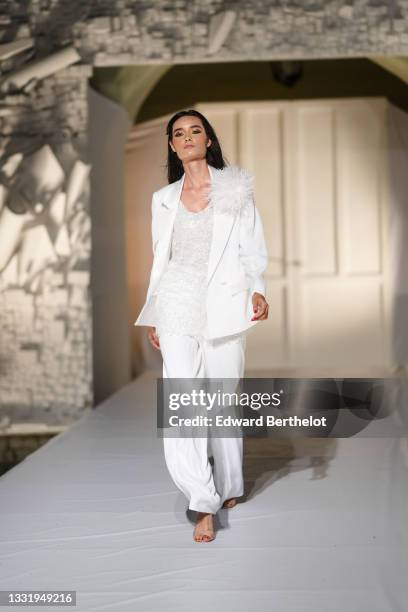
(153, 338)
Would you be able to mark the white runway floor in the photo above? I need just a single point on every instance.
(95, 511)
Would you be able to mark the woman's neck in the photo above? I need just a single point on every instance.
(197, 174)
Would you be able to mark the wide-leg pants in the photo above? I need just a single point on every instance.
(187, 459)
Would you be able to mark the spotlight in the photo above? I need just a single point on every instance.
(287, 72)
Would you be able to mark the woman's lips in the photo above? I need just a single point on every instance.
(189, 146)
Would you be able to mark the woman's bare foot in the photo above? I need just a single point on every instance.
(229, 503)
(204, 530)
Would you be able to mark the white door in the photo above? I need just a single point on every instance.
(321, 188)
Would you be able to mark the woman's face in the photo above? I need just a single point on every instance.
(189, 139)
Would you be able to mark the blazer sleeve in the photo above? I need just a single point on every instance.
(155, 232)
(252, 248)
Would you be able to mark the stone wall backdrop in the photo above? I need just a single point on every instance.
(141, 31)
(47, 52)
(45, 318)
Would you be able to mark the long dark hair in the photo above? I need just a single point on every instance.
(213, 156)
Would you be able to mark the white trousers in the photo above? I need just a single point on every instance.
(187, 459)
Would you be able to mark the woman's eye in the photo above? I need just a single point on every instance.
(181, 133)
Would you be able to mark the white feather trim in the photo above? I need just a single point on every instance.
(231, 191)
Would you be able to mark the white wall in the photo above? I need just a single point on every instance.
(397, 145)
(108, 131)
(145, 172)
(322, 190)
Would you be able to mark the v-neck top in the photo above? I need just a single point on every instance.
(181, 295)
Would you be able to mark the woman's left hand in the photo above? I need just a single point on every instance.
(260, 307)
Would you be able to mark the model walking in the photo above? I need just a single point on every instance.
(206, 290)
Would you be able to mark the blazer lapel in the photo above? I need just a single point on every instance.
(222, 225)
(169, 208)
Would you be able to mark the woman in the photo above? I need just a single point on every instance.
(206, 290)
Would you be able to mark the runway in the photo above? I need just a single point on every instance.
(322, 526)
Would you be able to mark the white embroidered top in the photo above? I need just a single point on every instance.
(182, 292)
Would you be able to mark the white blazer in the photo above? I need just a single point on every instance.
(237, 261)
